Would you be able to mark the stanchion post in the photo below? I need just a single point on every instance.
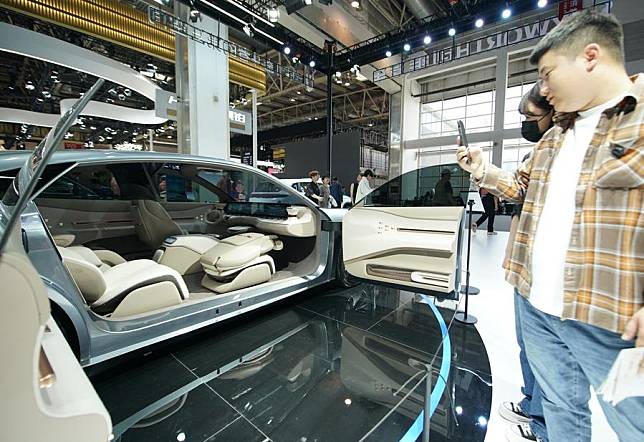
(428, 400)
(463, 317)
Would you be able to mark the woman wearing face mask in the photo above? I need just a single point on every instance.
(526, 416)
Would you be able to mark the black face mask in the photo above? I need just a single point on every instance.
(530, 129)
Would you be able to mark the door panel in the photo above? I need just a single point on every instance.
(411, 247)
(88, 220)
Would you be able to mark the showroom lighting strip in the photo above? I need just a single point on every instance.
(248, 11)
(234, 17)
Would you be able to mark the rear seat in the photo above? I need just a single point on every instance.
(239, 261)
(126, 289)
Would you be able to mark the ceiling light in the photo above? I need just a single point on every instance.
(93, 127)
(287, 50)
(542, 3)
(355, 4)
(479, 23)
(507, 12)
(347, 84)
(259, 103)
(46, 94)
(338, 74)
(273, 15)
(308, 2)
(427, 40)
(312, 63)
(388, 53)
(451, 32)
(407, 47)
(29, 86)
(40, 100)
(292, 100)
(248, 31)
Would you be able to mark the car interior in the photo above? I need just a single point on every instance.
(137, 238)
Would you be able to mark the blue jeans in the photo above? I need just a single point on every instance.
(531, 402)
(567, 357)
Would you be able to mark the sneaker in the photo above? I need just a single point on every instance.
(492, 233)
(474, 227)
(521, 433)
(513, 413)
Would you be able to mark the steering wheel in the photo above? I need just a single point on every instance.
(214, 217)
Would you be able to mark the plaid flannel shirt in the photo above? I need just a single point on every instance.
(603, 275)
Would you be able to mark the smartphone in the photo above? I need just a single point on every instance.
(461, 133)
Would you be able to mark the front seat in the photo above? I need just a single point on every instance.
(152, 222)
(239, 261)
(126, 289)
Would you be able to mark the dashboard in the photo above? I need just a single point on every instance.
(259, 210)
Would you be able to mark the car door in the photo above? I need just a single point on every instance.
(404, 234)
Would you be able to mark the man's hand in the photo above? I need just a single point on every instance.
(635, 329)
(471, 160)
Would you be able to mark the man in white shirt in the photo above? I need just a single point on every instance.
(364, 188)
(578, 258)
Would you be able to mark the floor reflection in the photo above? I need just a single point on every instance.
(330, 366)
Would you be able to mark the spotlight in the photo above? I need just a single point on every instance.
(542, 3)
(407, 47)
(451, 32)
(273, 15)
(355, 4)
(46, 94)
(312, 63)
(30, 86)
(287, 50)
(195, 15)
(478, 23)
(388, 53)
(507, 12)
(427, 40)
(308, 2)
(347, 84)
(338, 74)
(295, 60)
(247, 30)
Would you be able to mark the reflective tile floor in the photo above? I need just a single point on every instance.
(328, 365)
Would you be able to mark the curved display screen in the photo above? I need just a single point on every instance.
(260, 210)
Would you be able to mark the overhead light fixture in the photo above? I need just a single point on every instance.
(30, 86)
(259, 103)
(273, 15)
(308, 2)
(287, 50)
(299, 93)
(355, 4)
(295, 60)
(292, 100)
(338, 74)
(346, 83)
(247, 30)
(427, 40)
(407, 47)
(542, 3)
(507, 12)
(388, 53)
(93, 127)
(312, 63)
(451, 32)
(46, 94)
(479, 23)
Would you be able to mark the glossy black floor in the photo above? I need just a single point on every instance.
(329, 365)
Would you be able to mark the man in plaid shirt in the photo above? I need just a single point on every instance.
(578, 256)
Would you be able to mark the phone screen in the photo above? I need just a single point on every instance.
(461, 133)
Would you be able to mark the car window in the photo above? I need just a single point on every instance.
(82, 183)
(443, 185)
(176, 188)
(6, 178)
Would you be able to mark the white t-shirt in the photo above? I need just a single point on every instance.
(364, 188)
(555, 223)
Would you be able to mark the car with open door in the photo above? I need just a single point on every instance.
(139, 247)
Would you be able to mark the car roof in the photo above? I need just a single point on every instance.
(15, 159)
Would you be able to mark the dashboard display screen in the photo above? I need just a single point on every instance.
(260, 210)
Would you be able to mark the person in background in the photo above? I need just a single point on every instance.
(364, 187)
(527, 415)
(325, 192)
(313, 189)
(238, 191)
(354, 188)
(490, 206)
(443, 191)
(336, 191)
(578, 257)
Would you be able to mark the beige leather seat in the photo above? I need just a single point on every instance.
(129, 288)
(152, 222)
(239, 261)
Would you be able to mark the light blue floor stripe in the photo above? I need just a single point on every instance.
(417, 427)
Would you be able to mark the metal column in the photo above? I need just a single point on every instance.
(499, 106)
(330, 45)
(254, 92)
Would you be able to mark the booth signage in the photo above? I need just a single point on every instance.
(483, 44)
(240, 122)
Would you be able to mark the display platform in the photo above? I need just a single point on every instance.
(330, 365)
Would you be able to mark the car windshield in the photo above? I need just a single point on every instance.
(20, 190)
